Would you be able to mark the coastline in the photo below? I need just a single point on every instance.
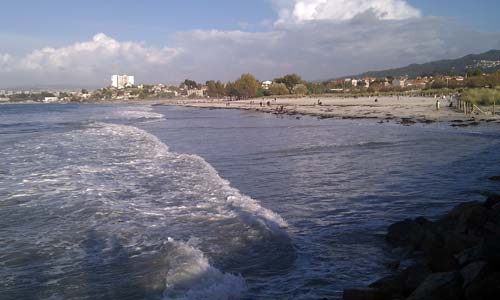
(402, 110)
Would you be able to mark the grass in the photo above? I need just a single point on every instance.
(482, 96)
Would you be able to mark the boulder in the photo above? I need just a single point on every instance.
(415, 275)
(492, 201)
(485, 289)
(392, 286)
(441, 261)
(494, 214)
(407, 233)
(473, 272)
(492, 228)
(455, 242)
(363, 294)
(439, 286)
(469, 255)
(470, 216)
(490, 249)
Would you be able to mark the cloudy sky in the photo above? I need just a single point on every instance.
(60, 42)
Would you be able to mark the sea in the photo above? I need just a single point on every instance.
(163, 202)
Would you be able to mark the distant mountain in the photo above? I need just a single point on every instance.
(488, 62)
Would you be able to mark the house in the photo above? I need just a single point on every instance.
(266, 84)
(399, 82)
(197, 92)
(50, 99)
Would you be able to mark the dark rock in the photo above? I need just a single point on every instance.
(485, 289)
(473, 272)
(456, 242)
(393, 265)
(415, 275)
(492, 201)
(492, 228)
(439, 286)
(471, 216)
(363, 294)
(469, 255)
(490, 249)
(405, 233)
(432, 240)
(440, 261)
(495, 178)
(392, 286)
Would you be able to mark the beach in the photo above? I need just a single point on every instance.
(403, 109)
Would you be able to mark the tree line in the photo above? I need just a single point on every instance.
(247, 86)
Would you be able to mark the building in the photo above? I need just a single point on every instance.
(50, 99)
(122, 81)
(400, 82)
(267, 84)
(197, 92)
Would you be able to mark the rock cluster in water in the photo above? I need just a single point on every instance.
(456, 257)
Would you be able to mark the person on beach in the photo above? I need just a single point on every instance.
(260, 103)
(438, 104)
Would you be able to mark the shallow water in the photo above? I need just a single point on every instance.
(135, 202)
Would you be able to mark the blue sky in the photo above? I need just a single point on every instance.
(26, 26)
(55, 22)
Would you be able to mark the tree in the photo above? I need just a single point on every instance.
(316, 87)
(247, 86)
(300, 89)
(215, 89)
(278, 89)
(190, 84)
(476, 72)
(290, 80)
(230, 90)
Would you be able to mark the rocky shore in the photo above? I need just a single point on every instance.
(455, 257)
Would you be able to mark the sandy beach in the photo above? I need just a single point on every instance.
(405, 110)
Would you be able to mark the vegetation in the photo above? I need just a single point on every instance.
(215, 89)
(482, 96)
(290, 81)
(247, 86)
(278, 89)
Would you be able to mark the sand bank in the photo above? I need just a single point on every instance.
(405, 110)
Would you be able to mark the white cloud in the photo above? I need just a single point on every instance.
(83, 62)
(317, 49)
(325, 49)
(5, 60)
(298, 11)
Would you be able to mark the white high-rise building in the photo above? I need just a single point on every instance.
(122, 81)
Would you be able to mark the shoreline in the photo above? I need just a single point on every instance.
(403, 110)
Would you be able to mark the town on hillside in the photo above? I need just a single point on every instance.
(124, 88)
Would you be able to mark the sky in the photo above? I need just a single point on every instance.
(60, 42)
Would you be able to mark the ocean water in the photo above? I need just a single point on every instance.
(140, 202)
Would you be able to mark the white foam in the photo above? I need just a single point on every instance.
(143, 112)
(191, 277)
(247, 208)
